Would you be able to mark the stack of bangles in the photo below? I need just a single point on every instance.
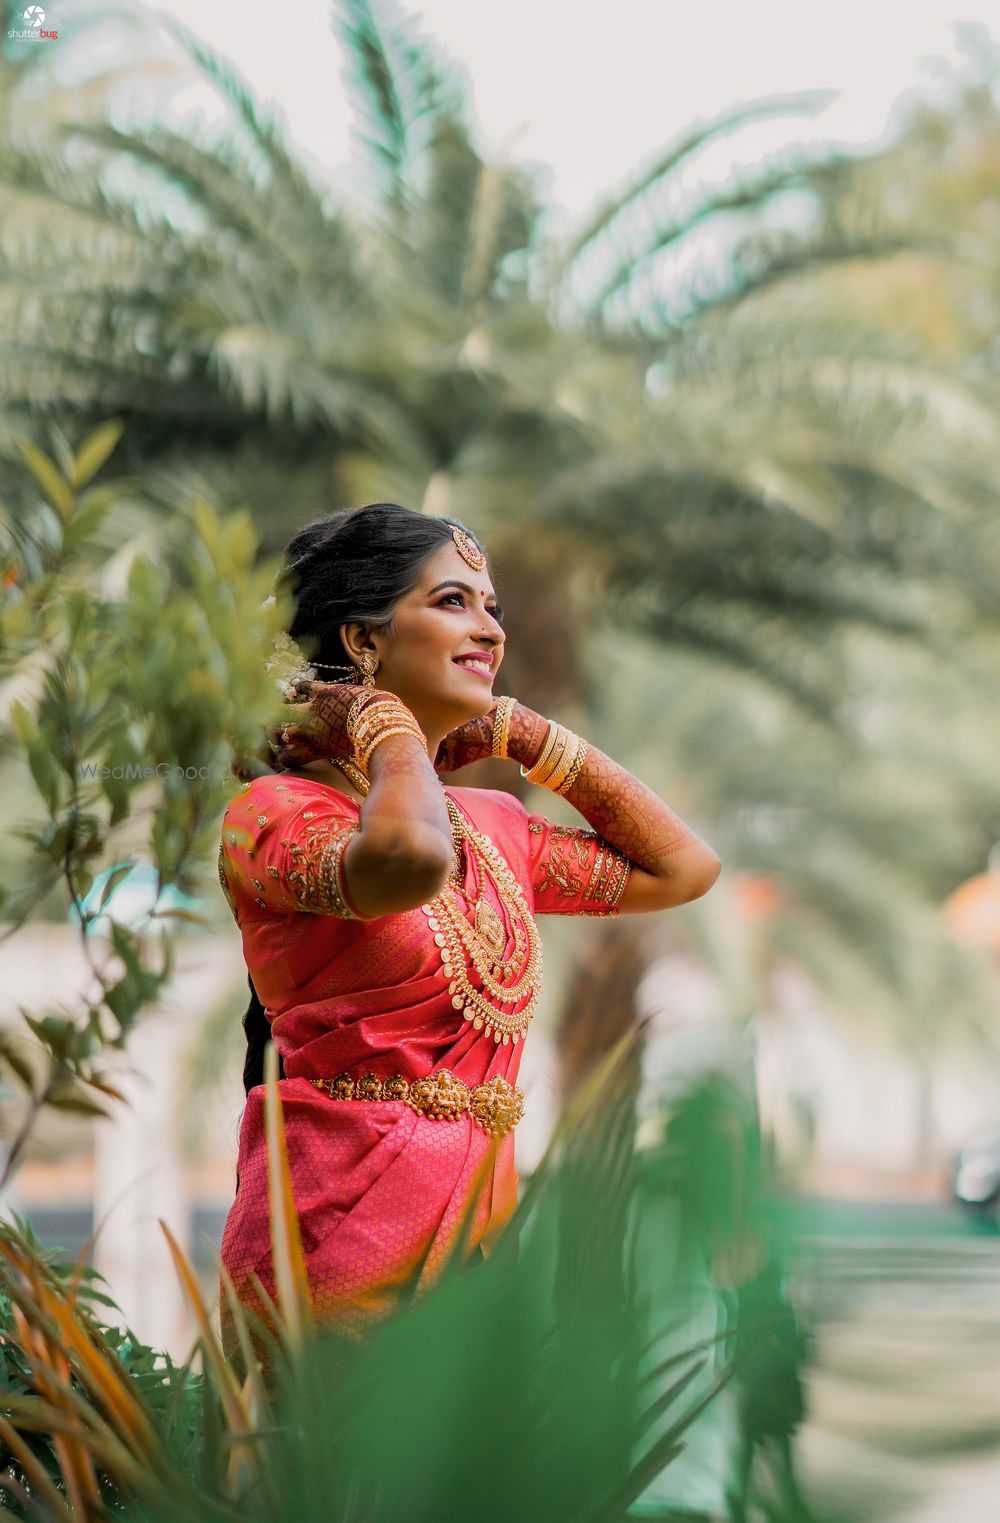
(558, 763)
(373, 719)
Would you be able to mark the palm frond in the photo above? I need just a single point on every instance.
(676, 154)
(401, 91)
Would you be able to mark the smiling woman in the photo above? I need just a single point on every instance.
(388, 921)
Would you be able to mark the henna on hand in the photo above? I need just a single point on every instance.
(470, 743)
(623, 811)
(627, 814)
(317, 722)
(526, 736)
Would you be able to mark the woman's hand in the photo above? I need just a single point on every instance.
(473, 742)
(317, 722)
(470, 743)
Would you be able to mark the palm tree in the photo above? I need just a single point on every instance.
(744, 479)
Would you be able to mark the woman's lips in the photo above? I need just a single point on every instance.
(484, 676)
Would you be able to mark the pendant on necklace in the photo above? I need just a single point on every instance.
(490, 927)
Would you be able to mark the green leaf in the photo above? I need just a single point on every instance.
(178, 914)
(57, 491)
(23, 721)
(16, 1061)
(86, 520)
(123, 999)
(54, 1032)
(48, 779)
(147, 585)
(113, 879)
(66, 1095)
(95, 450)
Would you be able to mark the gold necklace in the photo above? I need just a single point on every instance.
(509, 980)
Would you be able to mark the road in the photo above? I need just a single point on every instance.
(904, 1395)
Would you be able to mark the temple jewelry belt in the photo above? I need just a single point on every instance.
(496, 1105)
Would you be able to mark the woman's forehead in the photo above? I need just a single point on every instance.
(446, 564)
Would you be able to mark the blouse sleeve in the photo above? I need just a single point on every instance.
(574, 871)
(282, 851)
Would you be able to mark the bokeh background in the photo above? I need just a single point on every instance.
(692, 314)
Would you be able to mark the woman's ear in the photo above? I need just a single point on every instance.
(356, 638)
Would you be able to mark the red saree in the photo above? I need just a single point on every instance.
(380, 1190)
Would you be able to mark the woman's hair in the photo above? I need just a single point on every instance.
(356, 565)
(353, 565)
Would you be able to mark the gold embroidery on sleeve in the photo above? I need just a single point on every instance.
(316, 880)
(568, 855)
(567, 867)
(225, 883)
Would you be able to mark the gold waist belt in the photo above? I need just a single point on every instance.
(497, 1105)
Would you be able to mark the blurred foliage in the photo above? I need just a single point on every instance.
(527, 1354)
(128, 684)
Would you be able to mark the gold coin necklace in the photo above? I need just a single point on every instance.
(480, 944)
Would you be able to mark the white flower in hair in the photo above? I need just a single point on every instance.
(288, 665)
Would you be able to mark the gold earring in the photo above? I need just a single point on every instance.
(367, 666)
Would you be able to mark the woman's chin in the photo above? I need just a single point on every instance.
(466, 698)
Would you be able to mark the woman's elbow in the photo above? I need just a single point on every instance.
(701, 876)
(402, 869)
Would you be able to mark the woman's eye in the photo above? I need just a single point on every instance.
(495, 610)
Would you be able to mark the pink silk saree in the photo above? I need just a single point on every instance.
(381, 1191)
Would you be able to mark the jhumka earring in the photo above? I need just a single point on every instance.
(367, 666)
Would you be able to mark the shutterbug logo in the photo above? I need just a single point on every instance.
(34, 29)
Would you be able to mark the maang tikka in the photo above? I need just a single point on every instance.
(468, 549)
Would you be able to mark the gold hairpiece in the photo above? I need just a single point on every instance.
(468, 549)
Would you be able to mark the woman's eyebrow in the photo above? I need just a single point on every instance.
(464, 587)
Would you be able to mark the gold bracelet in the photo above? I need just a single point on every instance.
(501, 726)
(574, 771)
(531, 773)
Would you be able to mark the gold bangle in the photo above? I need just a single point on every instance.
(363, 732)
(567, 757)
(574, 771)
(374, 714)
(531, 773)
(399, 729)
(354, 713)
(385, 734)
(501, 727)
(366, 724)
(546, 771)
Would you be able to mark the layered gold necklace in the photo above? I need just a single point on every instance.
(480, 944)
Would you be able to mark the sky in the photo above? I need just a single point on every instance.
(589, 89)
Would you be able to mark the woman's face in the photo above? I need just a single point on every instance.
(443, 627)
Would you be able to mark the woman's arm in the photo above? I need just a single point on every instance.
(403, 850)
(671, 865)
